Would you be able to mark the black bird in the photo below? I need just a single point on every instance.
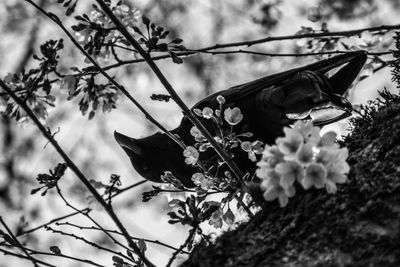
(267, 104)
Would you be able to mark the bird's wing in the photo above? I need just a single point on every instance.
(339, 82)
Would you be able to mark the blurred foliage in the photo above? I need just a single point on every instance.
(349, 9)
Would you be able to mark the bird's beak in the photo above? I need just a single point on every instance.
(128, 143)
(336, 109)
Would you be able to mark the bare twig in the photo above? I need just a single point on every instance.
(21, 256)
(82, 211)
(76, 170)
(16, 241)
(306, 54)
(61, 255)
(118, 233)
(239, 51)
(122, 190)
(302, 36)
(90, 243)
(192, 232)
(89, 217)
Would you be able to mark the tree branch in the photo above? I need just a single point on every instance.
(104, 73)
(192, 232)
(302, 36)
(186, 111)
(6, 252)
(118, 233)
(77, 172)
(14, 238)
(85, 210)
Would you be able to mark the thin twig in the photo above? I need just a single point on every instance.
(239, 51)
(61, 255)
(90, 218)
(90, 243)
(82, 211)
(302, 36)
(15, 239)
(306, 54)
(192, 232)
(122, 190)
(118, 233)
(76, 170)
(6, 252)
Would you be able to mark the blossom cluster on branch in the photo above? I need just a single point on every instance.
(302, 156)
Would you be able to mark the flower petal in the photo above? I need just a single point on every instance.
(330, 187)
(290, 191)
(315, 175)
(287, 180)
(290, 170)
(271, 193)
(246, 146)
(207, 113)
(191, 155)
(283, 200)
(328, 139)
(290, 143)
(305, 154)
(233, 116)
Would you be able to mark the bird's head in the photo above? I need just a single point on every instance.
(141, 155)
(153, 155)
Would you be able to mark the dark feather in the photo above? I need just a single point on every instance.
(268, 104)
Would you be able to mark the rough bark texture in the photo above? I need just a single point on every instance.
(358, 226)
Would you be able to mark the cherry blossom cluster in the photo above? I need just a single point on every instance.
(302, 156)
(224, 119)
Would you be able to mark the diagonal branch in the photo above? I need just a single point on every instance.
(14, 238)
(104, 73)
(186, 111)
(76, 170)
(174, 95)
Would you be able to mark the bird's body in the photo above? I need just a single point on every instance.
(267, 104)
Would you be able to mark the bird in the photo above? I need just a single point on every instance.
(268, 104)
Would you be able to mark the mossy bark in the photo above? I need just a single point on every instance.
(357, 226)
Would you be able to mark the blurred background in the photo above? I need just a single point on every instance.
(90, 143)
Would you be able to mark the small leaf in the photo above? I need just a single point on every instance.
(117, 259)
(198, 112)
(70, 9)
(91, 114)
(34, 191)
(229, 217)
(177, 41)
(145, 20)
